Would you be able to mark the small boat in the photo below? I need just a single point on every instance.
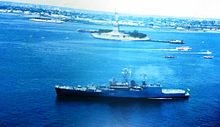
(184, 48)
(208, 57)
(169, 56)
(176, 42)
(208, 52)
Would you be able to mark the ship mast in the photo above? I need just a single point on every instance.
(144, 79)
(126, 74)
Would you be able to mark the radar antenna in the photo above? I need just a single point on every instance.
(126, 74)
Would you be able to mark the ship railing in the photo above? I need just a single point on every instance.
(173, 91)
(64, 87)
(80, 89)
(119, 86)
(135, 89)
(98, 90)
(153, 85)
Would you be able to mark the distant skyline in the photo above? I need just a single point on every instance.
(178, 8)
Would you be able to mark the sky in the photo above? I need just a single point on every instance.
(178, 8)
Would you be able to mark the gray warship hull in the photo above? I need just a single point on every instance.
(143, 93)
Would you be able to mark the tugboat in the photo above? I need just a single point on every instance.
(169, 56)
(176, 42)
(184, 48)
(125, 89)
(208, 57)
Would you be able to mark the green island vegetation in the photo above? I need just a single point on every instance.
(104, 30)
(136, 34)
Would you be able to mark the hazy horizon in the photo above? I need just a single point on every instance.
(186, 8)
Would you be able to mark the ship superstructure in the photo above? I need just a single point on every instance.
(124, 89)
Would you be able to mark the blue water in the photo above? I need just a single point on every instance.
(35, 56)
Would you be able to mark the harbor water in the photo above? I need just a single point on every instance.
(36, 56)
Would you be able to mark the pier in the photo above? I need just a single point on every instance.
(168, 41)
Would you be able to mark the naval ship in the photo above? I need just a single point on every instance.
(125, 89)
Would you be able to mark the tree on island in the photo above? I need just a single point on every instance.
(137, 34)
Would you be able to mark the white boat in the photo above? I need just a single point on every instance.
(176, 42)
(46, 20)
(169, 56)
(184, 48)
(208, 57)
(208, 52)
